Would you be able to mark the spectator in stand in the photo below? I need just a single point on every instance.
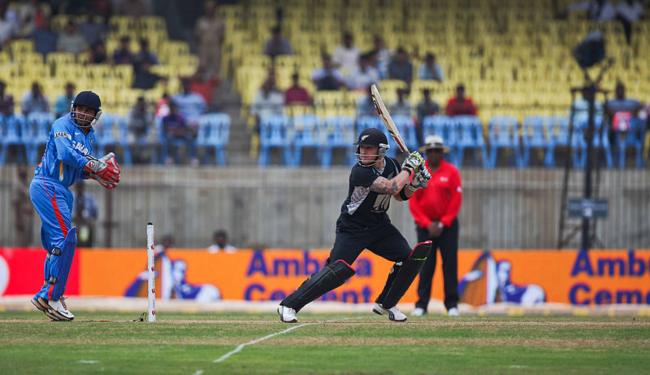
(145, 56)
(460, 104)
(268, 101)
(621, 111)
(140, 120)
(220, 243)
(176, 130)
(63, 102)
(629, 12)
(27, 13)
(45, 39)
(98, 54)
(6, 101)
(400, 67)
(210, 32)
(144, 78)
(123, 54)
(296, 94)
(71, 40)
(8, 23)
(92, 30)
(427, 107)
(366, 106)
(430, 70)
(204, 84)
(34, 100)
(162, 106)
(402, 107)
(277, 45)
(143, 61)
(382, 55)
(365, 75)
(346, 56)
(190, 104)
(327, 78)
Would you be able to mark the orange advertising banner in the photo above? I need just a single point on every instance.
(514, 276)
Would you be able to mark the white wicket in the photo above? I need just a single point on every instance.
(151, 276)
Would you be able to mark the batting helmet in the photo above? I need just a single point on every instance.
(375, 138)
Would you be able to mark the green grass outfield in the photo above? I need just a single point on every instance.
(322, 344)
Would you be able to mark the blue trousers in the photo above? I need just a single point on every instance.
(53, 203)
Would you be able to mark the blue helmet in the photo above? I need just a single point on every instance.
(86, 99)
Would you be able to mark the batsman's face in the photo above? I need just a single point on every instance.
(368, 154)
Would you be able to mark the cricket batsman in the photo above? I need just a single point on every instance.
(364, 224)
(66, 160)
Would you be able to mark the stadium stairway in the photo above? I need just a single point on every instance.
(228, 101)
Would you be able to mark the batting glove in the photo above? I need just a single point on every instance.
(413, 162)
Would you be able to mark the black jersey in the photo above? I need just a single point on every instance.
(364, 208)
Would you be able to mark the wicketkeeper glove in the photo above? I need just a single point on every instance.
(105, 170)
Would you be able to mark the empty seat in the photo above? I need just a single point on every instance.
(214, 132)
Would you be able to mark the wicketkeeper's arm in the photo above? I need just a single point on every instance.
(65, 151)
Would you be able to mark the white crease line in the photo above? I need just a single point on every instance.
(253, 342)
(242, 346)
(88, 361)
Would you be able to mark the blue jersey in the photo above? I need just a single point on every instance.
(65, 153)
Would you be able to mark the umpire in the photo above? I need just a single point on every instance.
(434, 209)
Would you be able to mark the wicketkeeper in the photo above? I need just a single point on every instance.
(66, 160)
(364, 224)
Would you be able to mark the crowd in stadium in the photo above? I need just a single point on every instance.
(172, 121)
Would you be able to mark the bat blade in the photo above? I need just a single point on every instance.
(387, 119)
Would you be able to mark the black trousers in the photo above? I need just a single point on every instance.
(385, 241)
(447, 243)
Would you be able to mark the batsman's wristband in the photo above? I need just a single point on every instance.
(411, 188)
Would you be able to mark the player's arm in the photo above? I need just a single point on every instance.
(65, 152)
(392, 186)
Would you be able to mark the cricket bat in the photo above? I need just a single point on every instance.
(388, 121)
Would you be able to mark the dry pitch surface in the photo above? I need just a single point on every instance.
(223, 343)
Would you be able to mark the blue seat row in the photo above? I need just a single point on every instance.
(293, 134)
(28, 135)
(535, 133)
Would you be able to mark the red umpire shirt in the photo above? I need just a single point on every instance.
(441, 199)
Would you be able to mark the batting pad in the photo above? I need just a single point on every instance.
(406, 274)
(330, 277)
(60, 264)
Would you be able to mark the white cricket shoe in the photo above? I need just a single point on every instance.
(60, 310)
(453, 312)
(418, 311)
(287, 314)
(393, 313)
